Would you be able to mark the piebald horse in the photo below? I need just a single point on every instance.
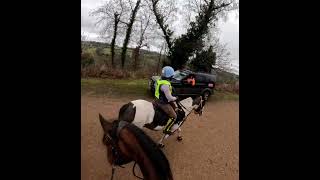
(143, 113)
(125, 143)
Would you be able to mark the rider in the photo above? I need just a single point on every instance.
(165, 100)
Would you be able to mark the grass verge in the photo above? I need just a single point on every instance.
(133, 87)
(115, 87)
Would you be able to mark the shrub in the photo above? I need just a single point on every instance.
(86, 59)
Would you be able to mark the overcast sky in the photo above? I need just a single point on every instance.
(229, 30)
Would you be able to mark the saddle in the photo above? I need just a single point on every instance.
(161, 118)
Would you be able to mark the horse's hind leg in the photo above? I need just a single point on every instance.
(179, 138)
(161, 145)
(175, 128)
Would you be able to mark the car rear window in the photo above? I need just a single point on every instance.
(179, 75)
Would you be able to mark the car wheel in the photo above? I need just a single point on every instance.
(206, 95)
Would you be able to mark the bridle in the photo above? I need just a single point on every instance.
(180, 106)
(112, 141)
(107, 139)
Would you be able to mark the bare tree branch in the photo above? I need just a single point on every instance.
(126, 23)
(160, 18)
(130, 5)
(207, 3)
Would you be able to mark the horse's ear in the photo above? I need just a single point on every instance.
(105, 124)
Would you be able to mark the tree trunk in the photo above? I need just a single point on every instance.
(164, 27)
(158, 65)
(113, 42)
(128, 33)
(136, 54)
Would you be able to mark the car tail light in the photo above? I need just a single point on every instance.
(211, 85)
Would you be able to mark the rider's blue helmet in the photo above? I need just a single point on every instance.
(167, 71)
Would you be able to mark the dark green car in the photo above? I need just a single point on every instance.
(204, 84)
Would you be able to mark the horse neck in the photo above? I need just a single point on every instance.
(188, 106)
(147, 167)
(149, 171)
(138, 154)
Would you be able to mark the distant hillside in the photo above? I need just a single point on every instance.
(224, 76)
(94, 44)
(148, 62)
(87, 44)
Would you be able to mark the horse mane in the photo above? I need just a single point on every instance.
(187, 103)
(155, 154)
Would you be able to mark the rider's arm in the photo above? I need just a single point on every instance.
(165, 89)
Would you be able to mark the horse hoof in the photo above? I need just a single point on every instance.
(161, 145)
(179, 138)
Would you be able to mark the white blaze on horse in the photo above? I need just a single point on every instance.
(143, 113)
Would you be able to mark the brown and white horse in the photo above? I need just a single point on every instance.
(143, 113)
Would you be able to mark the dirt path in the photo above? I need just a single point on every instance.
(209, 150)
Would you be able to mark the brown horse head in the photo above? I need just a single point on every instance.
(132, 144)
(115, 156)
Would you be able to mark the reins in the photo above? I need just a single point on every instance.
(112, 171)
(114, 149)
(189, 112)
(114, 168)
(179, 104)
(134, 172)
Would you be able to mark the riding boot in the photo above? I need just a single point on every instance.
(167, 129)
